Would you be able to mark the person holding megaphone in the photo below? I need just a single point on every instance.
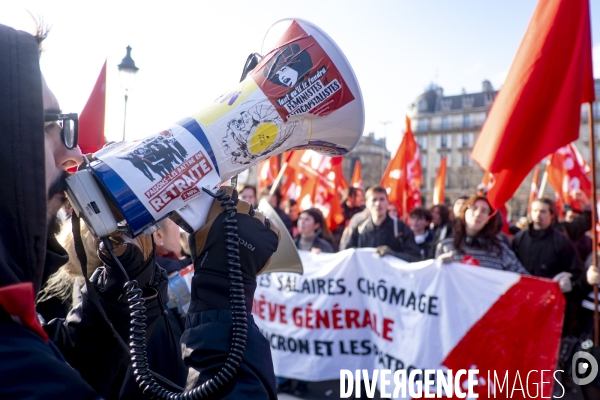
(84, 355)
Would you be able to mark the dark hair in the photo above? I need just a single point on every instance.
(486, 237)
(265, 194)
(318, 217)
(253, 188)
(463, 197)
(444, 213)
(551, 207)
(375, 189)
(290, 203)
(350, 192)
(418, 213)
(290, 56)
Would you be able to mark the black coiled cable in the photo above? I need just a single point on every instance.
(137, 338)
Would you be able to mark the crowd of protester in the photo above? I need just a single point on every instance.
(468, 231)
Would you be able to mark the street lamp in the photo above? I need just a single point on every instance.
(127, 71)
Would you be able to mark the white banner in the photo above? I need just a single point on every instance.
(355, 310)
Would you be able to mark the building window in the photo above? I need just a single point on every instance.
(466, 140)
(443, 142)
(445, 123)
(423, 125)
(446, 104)
(422, 105)
(422, 142)
(467, 102)
(467, 120)
(423, 161)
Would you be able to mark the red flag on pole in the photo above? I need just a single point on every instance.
(440, 183)
(314, 180)
(91, 119)
(538, 109)
(534, 192)
(402, 177)
(357, 181)
(568, 171)
(267, 172)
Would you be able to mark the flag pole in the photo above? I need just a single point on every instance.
(544, 178)
(594, 215)
(279, 177)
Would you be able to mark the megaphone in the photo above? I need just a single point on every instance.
(302, 94)
(286, 258)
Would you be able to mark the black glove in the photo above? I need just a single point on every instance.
(136, 256)
(258, 240)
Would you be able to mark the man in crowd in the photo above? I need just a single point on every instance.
(543, 250)
(276, 201)
(583, 243)
(443, 231)
(389, 236)
(419, 221)
(353, 203)
(248, 194)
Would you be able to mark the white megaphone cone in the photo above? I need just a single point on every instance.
(302, 94)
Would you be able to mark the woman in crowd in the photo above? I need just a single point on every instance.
(474, 240)
(313, 234)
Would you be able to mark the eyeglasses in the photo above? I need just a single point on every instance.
(69, 124)
(482, 210)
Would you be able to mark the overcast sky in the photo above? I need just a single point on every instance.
(190, 52)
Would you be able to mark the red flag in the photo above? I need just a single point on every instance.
(357, 181)
(314, 181)
(440, 183)
(568, 171)
(91, 119)
(538, 109)
(402, 178)
(267, 172)
(534, 193)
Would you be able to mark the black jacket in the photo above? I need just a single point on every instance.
(546, 252)
(319, 243)
(392, 233)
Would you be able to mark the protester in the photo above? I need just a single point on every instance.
(440, 216)
(457, 206)
(168, 247)
(313, 233)
(583, 244)
(32, 365)
(543, 250)
(389, 235)
(276, 201)
(444, 230)
(353, 203)
(290, 207)
(474, 240)
(418, 221)
(248, 194)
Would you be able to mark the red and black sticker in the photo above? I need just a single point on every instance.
(298, 77)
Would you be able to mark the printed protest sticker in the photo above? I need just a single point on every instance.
(164, 171)
(299, 77)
